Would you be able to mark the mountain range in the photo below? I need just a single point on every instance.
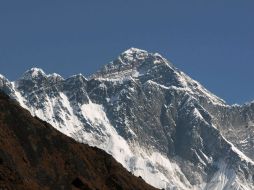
(151, 117)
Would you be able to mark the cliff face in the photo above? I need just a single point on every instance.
(33, 155)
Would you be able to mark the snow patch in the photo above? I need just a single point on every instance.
(240, 154)
(141, 163)
(2, 77)
(19, 97)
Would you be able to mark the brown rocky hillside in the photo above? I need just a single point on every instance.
(33, 155)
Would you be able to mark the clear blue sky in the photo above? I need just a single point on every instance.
(211, 40)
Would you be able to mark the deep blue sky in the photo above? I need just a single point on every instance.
(211, 40)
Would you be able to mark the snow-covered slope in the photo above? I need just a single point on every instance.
(154, 119)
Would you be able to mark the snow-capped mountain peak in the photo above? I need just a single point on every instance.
(154, 119)
(131, 63)
(38, 74)
(132, 56)
(134, 50)
(33, 73)
(136, 57)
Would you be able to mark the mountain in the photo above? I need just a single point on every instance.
(151, 117)
(33, 155)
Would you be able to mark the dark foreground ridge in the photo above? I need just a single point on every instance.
(33, 155)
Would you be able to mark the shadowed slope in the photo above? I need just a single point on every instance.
(33, 155)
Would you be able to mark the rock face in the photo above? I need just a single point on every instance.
(33, 155)
(152, 118)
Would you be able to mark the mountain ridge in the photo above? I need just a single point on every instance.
(154, 119)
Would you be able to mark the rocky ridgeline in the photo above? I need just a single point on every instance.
(151, 117)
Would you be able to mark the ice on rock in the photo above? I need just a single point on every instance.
(2, 76)
(55, 77)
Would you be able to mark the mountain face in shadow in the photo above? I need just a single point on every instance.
(33, 155)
